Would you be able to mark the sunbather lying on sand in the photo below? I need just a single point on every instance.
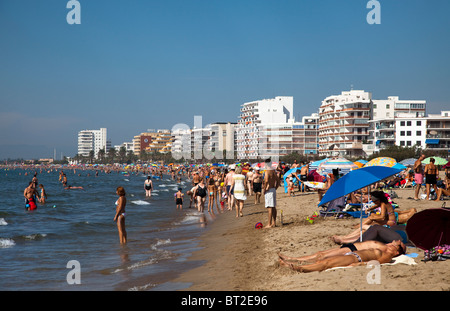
(352, 258)
(351, 247)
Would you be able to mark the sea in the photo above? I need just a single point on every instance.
(71, 242)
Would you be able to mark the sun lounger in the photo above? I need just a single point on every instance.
(334, 208)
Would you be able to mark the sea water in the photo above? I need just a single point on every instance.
(36, 246)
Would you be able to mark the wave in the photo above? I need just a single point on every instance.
(140, 202)
(142, 287)
(6, 243)
(161, 242)
(36, 236)
(3, 222)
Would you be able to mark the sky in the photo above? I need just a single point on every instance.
(135, 65)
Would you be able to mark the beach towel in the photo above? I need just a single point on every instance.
(402, 259)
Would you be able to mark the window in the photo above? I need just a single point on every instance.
(388, 106)
(402, 133)
(408, 143)
(408, 123)
(402, 123)
(402, 143)
(408, 133)
(418, 143)
(419, 123)
(418, 133)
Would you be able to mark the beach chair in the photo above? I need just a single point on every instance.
(334, 208)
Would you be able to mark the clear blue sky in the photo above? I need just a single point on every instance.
(139, 64)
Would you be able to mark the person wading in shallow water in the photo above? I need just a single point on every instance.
(119, 218)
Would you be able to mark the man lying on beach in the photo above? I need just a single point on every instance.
(344, 249)
(351, 258)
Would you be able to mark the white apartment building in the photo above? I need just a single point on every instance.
(265, 112)
(343, 124)
(407, 130)
(92, 140)
(393, 106)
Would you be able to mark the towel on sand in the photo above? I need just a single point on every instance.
(399, 259)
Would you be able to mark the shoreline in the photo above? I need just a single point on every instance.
(239, 257)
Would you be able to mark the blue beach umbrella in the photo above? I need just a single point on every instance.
(286, 175)
(356, 180)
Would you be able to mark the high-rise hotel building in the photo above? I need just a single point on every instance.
(267, 128)
(92, 140)
(278, 110)
(344, 124)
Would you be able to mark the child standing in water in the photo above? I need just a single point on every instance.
(179, 199)
(43, 195)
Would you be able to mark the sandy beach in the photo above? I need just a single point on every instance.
(239, 257)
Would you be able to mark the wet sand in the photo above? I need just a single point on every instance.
(239, 257)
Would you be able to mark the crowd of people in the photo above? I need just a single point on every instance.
(224, 188)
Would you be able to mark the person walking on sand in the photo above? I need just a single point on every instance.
(257, 185)
(238, 186)
(431, 176)
(148, 186)
(418, 175)
(119, 218)
(271, 183)
(228, 180)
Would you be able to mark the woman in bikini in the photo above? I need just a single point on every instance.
(385, 217)
(120, 214)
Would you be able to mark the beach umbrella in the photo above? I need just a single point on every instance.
(356, 180)
(286, 175)
(362, 161)
(437, 160)
(408, 162)
(359, 164)
(315, 165)
(342, 164)
(399, 166)
(429, 228)
(381, 161)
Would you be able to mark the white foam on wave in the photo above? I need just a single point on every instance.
(3, 222)
(140, 202)
(5, 243)
(190, 218)
(161, 242)
(142, 287)
(35, 236)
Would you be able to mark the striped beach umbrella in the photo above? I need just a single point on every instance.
(381, 161)
(342, 164)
